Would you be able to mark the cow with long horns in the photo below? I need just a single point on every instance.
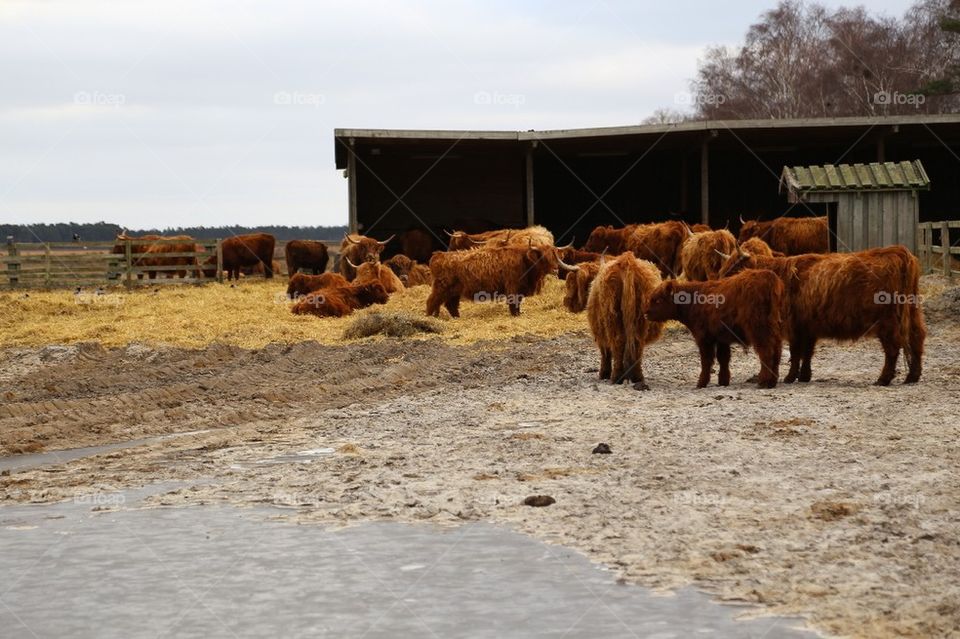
(356, 249)
(376, 272)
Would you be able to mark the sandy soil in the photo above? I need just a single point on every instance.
(835, 500)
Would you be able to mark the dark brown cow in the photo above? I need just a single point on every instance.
(410, 272)
(507, 273)
(615, 311)
(416, 244)
(703, 253)
(659, 243)
(301, 284)
(578, 285)
(537, 235)
(310, 255)
(243, 251)
(359, 249)
(847, 296)
(756, 246)
(571, 255)
(610, 239)
(700, 228)
(341, 300)
(153, 254)
(790, 235)
(743, 309)
(420, 275)
(374, 272)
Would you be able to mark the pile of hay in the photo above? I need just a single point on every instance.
(391, 325)
(250, 314)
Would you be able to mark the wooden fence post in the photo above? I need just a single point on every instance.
(12, 267)
(46, 265)
(926, 239)
(128, 252)
(220, 261)
(945, 243)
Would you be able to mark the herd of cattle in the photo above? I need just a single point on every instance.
(777, 282)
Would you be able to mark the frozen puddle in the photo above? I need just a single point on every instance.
(223, 572)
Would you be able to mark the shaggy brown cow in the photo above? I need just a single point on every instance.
(301, 284)
(416, 244)
(244, 251)
(309, 255)
(703, 253)
(700, 228)
(658, 243)
(420, 275)
(571, 255)
(616, 310)
(744, 309)
(790, 235)
(373, 272)
(341, 300)
(153, 254)
(846, 296)
(359, 249)
(578, 285)
(537, 235)
(409, 272)
(507, 273)
(756, 246)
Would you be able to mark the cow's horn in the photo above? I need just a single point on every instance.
(349, 262)
(566, 266)
(689, 230)
(727, 225)
(570, 245)
(350, 239)
(723, 255)
(454, 234)
(384, 243)
(742, 221)
(477, 241)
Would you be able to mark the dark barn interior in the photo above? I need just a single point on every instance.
(573, 180)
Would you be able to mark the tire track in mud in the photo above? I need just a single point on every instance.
(89, 395)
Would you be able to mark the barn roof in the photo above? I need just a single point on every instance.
(876, 176)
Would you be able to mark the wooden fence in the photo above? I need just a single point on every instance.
(935, 250)
(73, 264)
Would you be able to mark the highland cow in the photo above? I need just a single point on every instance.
(536, 235)
(847, 296)
(702, 254)
(302, 284)
(341, 300)
(374, 272)
(616, 309)
(146, 252)
(578, 285)
(756, 246)
(311, 255)
(744, 309)
(659, 243)
(243, 251)
(571, 255)
(509, 273)
(357, 249)
(790, 235)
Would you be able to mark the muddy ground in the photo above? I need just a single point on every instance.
(836, 500)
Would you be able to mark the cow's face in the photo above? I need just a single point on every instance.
(663, 305)
(599, 239)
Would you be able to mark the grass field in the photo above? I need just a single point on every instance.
(250, 314)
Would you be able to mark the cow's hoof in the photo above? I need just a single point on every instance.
(640, 386)
(882, 382)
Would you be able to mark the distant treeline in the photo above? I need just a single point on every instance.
(105, 232)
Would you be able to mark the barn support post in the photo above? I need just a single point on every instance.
(13, 277)
(705, 177)
(352, 185)
(528, 181)
(220, 261)
(945, 246)
(128, 261)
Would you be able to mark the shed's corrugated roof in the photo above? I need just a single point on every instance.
(876, 176)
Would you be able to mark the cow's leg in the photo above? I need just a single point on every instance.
(806, 363)
(434, 301)
(605, 357)
(768, 352)
(152, 275)
(453, 305)
(708, 349)
(514, 308)
(617, 374)
(913, 349)
(636, 371)
(723, 358)
(268, 269)
(890, 340)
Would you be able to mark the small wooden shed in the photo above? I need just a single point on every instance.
(876, 203)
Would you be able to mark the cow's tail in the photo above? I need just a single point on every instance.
(629, 311)
(913, 329)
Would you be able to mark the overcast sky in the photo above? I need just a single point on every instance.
(176, 113)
